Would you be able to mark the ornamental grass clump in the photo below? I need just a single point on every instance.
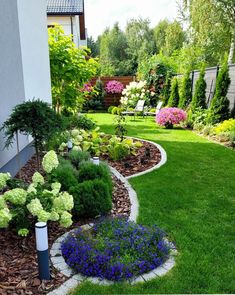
(116, 250)
(170, 116)
(114, 87)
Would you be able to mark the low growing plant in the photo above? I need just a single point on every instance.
(116, 250)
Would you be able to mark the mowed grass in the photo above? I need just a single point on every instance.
(192, 197)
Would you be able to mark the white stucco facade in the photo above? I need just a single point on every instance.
(24, 61)
(70, 26)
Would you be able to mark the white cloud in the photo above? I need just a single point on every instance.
(100, 14)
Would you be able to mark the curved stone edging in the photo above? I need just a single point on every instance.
(60, 264)
(162, 161)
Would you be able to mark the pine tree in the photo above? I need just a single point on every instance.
(219, 108)
(174, 97)
(199, 97)
(185, 91)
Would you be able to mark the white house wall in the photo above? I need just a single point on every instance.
(65, 22)
(24, 61)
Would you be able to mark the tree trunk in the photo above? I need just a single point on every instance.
(231, 52)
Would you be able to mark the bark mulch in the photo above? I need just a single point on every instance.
(18, 259)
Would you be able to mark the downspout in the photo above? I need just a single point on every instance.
(71, 23)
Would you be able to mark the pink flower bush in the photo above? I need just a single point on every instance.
(87, 88)
(114, 87)
(170, 116)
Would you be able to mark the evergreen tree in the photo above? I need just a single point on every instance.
(174, 97)
(167, 89)
(233, 112)
(199, 98)
(185, 91)
(219, 108)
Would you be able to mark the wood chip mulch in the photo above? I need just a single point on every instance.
(18, 257)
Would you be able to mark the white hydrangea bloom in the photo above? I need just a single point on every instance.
(66, 219)
(2, 203)
(5, 217)
(31, 189)
(16, 196)
(64, 202)
(43, 216)
(3, 179)
(35, 207)
(54, 216)
(38, 178)
(50, 161)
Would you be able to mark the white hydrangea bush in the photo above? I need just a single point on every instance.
(133, 92)
(41, 200)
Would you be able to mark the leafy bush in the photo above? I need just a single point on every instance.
(219, 108)
(167, 89)
(199, 97)
(92, 198)
(116, 111)
(226, 126)
(41, 200)
(89, 171)
(170, 116)
(199, 118)
(78, 157)
(114, 87)
(110, 109)
(95, 98)
(79, 121)
(174, 96)
(116, 250)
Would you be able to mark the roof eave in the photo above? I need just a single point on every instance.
(64, 13)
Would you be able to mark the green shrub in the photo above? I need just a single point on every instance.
(78, 157)
(225, 126)
(185, 91)
(92, 198)
(174, 97)
(116, 111)
(89, 171)
(167, 89)
(219, 108)
(110, 109)
(79, 121)
(65, 174)
(199, 97)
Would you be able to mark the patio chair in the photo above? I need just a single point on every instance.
(159, 106)
(139, 108)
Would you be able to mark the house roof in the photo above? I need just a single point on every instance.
(65, 7)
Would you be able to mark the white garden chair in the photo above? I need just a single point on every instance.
(139, 108)
(158, 107)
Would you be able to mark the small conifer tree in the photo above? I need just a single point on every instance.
(199, 97)
(174, 97)
(167, 89)
(185, 91)
(219, 107)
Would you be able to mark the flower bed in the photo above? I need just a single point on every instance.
(116, 250)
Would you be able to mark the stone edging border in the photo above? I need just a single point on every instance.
(162, 161)
(59, 263)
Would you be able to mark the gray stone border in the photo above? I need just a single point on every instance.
(59, 263)
(162, 161)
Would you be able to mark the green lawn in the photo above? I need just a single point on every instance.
(192, 197)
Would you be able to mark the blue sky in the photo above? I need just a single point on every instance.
(104, 13)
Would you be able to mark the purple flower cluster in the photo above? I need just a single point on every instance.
(116, 250)
(171, 116)
(87, 88)
(114, 87)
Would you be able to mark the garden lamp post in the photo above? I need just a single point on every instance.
(42, 250)
(96, 160)
(70, 145)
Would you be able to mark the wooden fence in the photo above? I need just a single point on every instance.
(210, 78)
(113, 99)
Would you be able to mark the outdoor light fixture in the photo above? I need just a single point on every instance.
(42, 250)
(70, 145)
(96, 160)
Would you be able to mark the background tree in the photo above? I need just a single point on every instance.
(174, 38)
(219, 108)
(160, 34)
(167, 89)
(71, 67)
(93, 46)
(185, 91)
(174, 96)
(199, 97)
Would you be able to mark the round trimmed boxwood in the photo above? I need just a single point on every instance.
(116, 249)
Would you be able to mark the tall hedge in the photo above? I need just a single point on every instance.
(199, 97)
(219, 108)
(185, 91)
(174, 97)
(233, 112)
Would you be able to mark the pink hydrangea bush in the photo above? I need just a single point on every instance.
(170, 116)
(87, 88)
(114, 87)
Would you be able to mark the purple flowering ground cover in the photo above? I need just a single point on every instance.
(116, 249)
